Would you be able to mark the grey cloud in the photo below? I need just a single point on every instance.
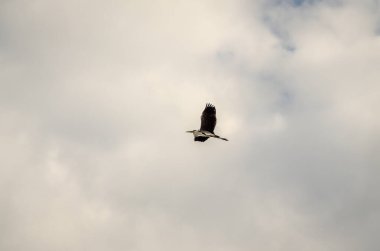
(96, 96)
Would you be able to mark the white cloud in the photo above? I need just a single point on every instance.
(95, 98)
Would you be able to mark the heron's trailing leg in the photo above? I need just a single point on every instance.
(218, 137)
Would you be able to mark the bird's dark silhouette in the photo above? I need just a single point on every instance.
(208, 123)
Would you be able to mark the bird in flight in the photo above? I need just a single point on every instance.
(208, 122)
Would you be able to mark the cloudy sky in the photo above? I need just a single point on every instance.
(96, 96)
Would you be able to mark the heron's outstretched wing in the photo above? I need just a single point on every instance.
(200, 138)
(208, 118)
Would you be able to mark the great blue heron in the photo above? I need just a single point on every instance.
(208, 122)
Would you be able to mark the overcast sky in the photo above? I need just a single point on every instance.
(96, 96)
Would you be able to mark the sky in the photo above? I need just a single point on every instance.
(96, 96)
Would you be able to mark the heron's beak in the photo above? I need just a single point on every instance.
(190, 131)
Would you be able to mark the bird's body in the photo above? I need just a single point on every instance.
(208, 122)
